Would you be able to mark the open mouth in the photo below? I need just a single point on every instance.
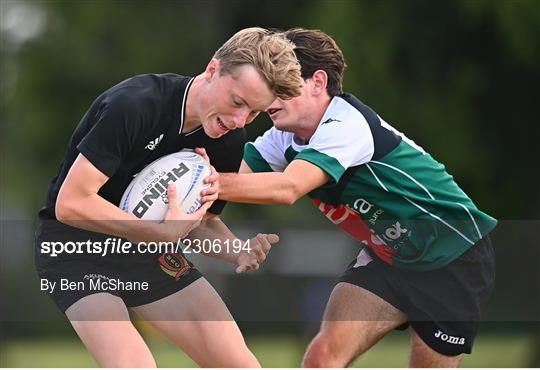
(221, 125)
(273, 111)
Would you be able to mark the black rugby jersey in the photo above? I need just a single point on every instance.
(132, 124)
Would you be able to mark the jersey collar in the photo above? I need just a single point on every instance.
(183, 108)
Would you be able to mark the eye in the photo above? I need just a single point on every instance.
(237, 103)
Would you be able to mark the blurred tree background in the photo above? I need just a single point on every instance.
(459, 77)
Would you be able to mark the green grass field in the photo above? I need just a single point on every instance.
(491, 351)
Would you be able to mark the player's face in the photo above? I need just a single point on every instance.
(232, 100)
(293, 114)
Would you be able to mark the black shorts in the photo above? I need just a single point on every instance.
(443, 306)
(135, 278)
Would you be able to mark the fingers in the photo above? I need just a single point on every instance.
(172, 196)
(272, 238)
(202, 152)
(260, 245)
(252, 265)
(261, 248)
(211, 193)
(199, 214)
(174, 211)
(241, 269)
(267, 240)
(213, 177)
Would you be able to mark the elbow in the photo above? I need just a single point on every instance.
(63, 211)
(289, 197)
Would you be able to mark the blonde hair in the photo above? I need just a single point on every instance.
(272, 55)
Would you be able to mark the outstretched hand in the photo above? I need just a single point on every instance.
(260, 246)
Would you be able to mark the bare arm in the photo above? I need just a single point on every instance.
(79, 204)
(214, 229)
(299, 178)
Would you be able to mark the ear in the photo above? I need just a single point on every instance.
(211, 69)
(320, 81)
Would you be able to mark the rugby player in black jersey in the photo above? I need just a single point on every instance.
(127, 127)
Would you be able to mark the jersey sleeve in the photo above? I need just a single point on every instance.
(267, 153)
(342, 140)
(227, 158)
(117, 123)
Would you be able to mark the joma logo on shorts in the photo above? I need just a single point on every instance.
(159, 189)
(449, 338)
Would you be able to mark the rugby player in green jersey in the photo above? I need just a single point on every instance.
(425, 259)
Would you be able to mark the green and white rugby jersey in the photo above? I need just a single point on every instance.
(385, 191)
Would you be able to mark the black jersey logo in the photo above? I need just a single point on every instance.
(154, 143)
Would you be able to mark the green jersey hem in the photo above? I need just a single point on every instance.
(328, 164)
(255, 160)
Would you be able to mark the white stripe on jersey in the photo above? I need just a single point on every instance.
(473, 220)
(376, 178)
(438, 218)
(406, 174)
(402, 135)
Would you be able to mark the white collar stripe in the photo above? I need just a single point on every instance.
(182, 109)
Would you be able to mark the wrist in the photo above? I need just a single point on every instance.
(224, 183)
(169, 233)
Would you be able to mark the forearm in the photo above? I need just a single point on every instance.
(257, 188)
(94, 213)
(228, 246)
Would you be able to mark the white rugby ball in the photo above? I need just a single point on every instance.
(146, 195)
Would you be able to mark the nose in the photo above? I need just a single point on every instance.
(243, 117)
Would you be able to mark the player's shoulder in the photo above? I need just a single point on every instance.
(278, 136)
(345, 119)
(143, 91)
(347, 108)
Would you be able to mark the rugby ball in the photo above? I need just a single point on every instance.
(146, 195)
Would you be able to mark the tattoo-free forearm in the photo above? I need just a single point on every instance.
(257, 188)
(215, 230)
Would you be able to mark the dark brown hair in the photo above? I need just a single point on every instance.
(316, 50)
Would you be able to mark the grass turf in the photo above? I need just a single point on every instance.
(283, 351)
